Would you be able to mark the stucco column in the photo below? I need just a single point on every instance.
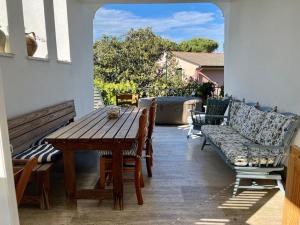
(50, 29)
(8, 204)
(16, 28)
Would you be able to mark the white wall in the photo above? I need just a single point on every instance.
(262, 52)
(31, 84)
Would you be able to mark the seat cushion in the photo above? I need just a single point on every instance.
(126, 153)
(44, 153)
(273, 129)
(253, 123)
(218, 133)
(233, 146)
(238, 154)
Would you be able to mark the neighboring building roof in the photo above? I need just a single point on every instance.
(202, 59)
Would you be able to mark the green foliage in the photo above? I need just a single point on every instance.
(109, 90)
(142, 62)
(136, 57)
(222, 91)
(199, 90)
(198, 45)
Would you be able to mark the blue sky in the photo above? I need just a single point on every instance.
(176, 22)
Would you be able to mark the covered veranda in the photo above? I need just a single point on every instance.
(261, 64)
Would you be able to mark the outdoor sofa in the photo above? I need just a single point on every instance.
(253, 142)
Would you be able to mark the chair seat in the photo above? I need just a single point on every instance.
(44, 153)
(126, 153)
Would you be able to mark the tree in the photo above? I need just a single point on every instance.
(198, 45)
(107, 55)
(135, 57)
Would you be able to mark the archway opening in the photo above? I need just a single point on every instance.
(158, 50)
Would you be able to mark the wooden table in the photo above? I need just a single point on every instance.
(96, 132)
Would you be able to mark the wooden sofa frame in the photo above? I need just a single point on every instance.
(27, 129)
(260, 172)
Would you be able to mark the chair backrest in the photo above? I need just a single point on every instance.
(216, 107)
(22, 173)
(151, 118)
(127, 99)
(26, 129)
(142, 133)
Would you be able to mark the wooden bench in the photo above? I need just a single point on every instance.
(27, 129)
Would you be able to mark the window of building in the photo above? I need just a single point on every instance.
(4, 32)
(35, 28)
(179, 72)
(62, 30)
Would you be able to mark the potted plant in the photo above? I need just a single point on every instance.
(2, 41)
(31, 43)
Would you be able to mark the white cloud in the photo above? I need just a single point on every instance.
(118, 22)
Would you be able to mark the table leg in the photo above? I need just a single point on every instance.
(117, 169)
(70, 177)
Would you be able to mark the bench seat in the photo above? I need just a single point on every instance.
(26, 134)
(44, 153)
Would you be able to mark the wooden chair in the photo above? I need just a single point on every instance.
(22, 172)
(127, 100)
(149, 147)
(130, 157)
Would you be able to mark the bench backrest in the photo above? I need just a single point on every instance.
(26, 129)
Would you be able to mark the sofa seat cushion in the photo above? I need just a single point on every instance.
(217, 133)
(234, 147)
(239, 155)
(253, 123)
(44, 153)
(274, 129)
(220, 134)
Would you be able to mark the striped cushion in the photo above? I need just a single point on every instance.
(44, 153)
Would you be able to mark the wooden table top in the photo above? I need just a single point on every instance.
(96, 126)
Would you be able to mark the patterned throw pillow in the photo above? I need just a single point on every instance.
(241, 117)
(273, 129)
(234, 107)
(253, 123)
